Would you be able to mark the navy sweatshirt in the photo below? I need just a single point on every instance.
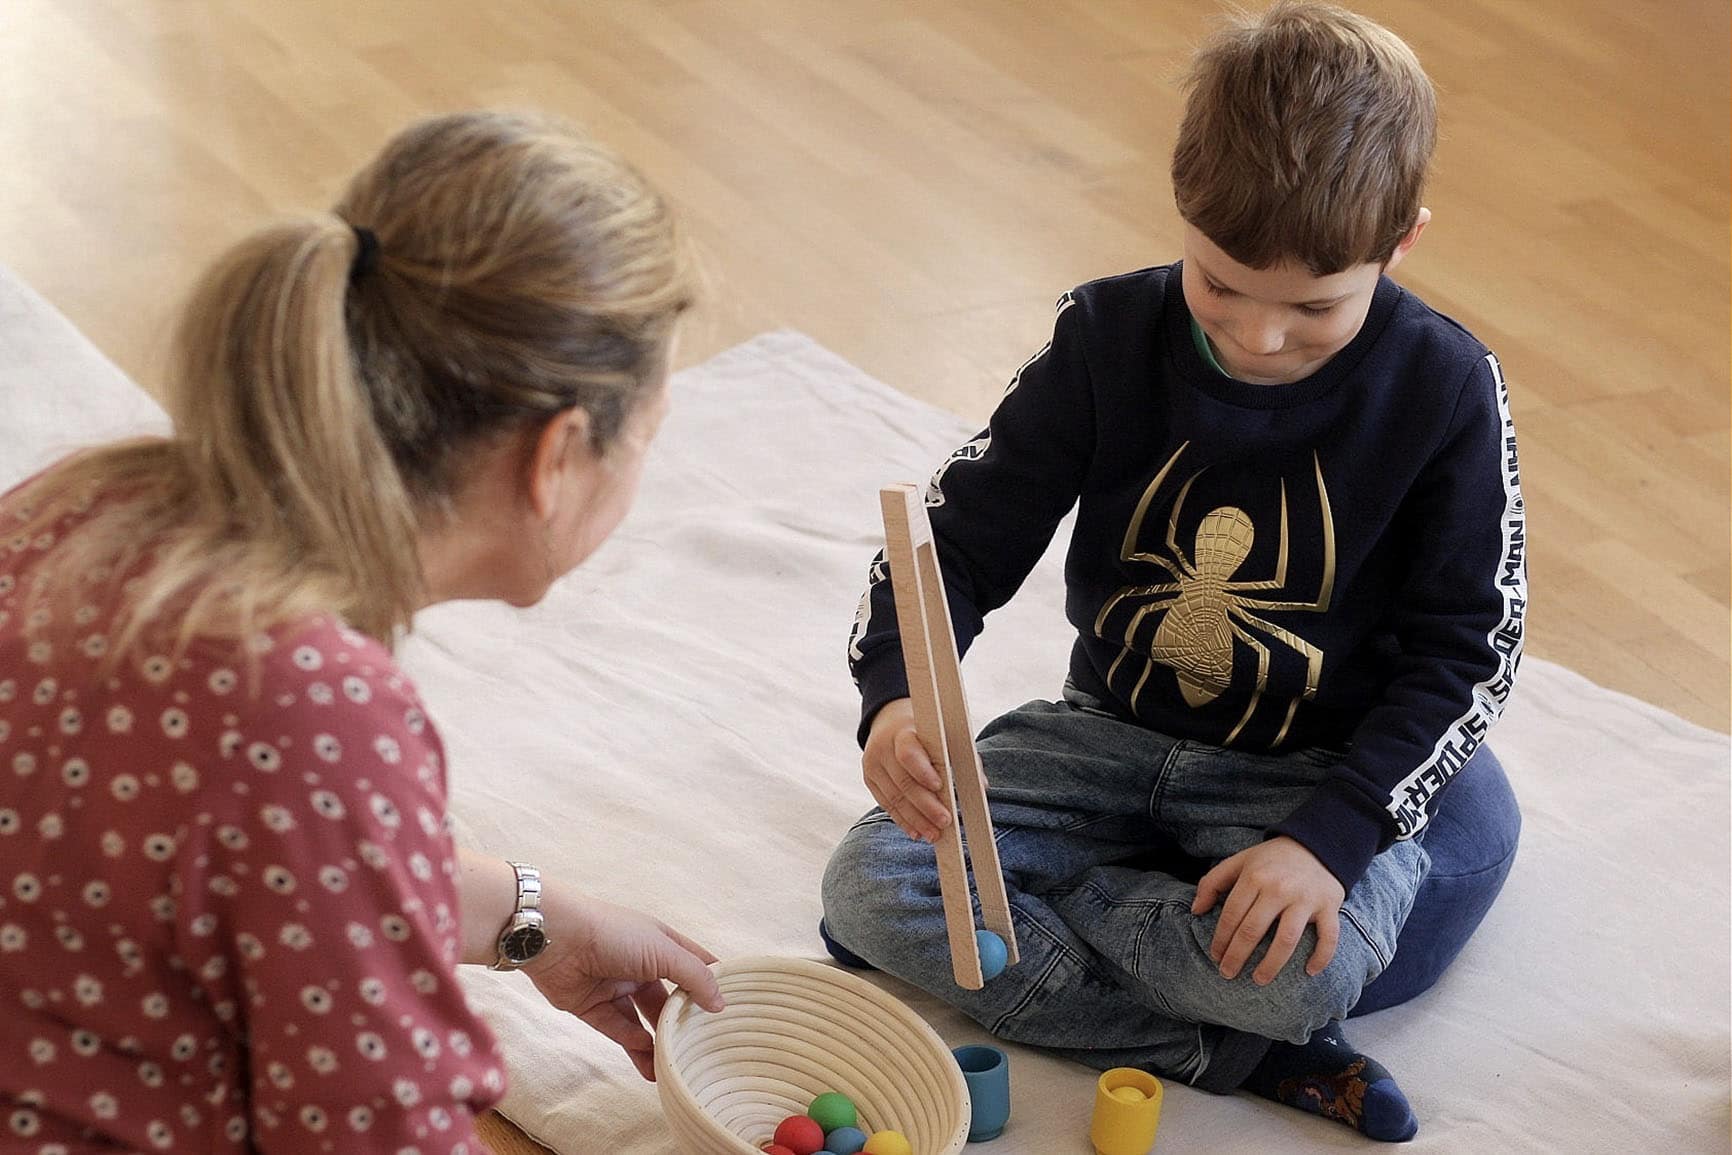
(1337, 562)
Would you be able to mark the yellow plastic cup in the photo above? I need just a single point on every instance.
(1127, 1112)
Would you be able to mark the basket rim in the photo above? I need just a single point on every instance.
(670, 1083)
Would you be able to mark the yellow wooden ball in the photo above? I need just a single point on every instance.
(1128, 1095)
(887, 1143)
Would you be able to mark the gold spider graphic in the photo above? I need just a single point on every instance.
(1204, 610)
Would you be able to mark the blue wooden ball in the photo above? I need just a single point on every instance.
(993, 955)
(845, 1140)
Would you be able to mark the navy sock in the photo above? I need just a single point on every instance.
(1327, 1077)
(841, 953)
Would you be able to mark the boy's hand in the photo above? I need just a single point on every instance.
(900, 775)
(1276, 883)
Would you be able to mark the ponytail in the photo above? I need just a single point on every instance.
(276, 496)
(329, 376)
(278, 429)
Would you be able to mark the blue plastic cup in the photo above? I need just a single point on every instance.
(986, 1070)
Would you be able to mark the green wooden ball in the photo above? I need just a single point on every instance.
(832, 1110)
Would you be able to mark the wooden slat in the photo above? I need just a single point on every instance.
(967, 775)
(904, 536)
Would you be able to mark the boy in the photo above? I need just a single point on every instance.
(1298, 587)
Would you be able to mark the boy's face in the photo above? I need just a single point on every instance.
(1281, 324)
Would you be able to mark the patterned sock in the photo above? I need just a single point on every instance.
(1328, 1077)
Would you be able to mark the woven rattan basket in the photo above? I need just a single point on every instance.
(793, 1030)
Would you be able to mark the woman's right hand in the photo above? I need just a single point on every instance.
(901, 776)
(606, 963)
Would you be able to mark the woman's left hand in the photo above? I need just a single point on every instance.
(606, 963)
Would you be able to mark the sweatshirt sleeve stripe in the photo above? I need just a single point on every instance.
(1463, 736)
(994, 504)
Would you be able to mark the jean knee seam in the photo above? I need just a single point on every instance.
(999, 1025)
(1061, 951)
(1110, 899)
(1148, 985)
(1382, 960)
(1162, 776)
(1154, 907)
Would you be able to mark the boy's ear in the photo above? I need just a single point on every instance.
(551, 449)
(1412, 238)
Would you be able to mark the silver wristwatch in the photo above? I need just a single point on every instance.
(523, 939)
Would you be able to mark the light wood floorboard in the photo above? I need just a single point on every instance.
(912, 182)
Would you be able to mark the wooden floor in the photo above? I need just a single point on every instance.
(912, 182)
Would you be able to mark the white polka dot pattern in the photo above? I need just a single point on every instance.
(224, 915)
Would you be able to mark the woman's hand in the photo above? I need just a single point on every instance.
(901, 775)
(605, 964)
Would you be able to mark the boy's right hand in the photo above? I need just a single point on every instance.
(901, 775)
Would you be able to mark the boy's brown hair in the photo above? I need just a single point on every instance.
(1306, 138)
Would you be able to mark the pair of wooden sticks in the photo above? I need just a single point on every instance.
(942, 723)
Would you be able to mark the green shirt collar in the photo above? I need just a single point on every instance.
(1205, 350)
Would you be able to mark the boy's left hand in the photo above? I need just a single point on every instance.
(1280, 884)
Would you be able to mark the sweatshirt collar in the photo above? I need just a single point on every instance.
(1186, 344)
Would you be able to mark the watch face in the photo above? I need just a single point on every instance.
(523, 943)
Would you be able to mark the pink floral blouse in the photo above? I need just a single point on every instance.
(228, 919)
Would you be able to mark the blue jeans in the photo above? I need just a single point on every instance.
(1101, 826)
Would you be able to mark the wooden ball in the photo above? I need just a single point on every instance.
(994, 955)
(800, 1135)
(888, 1143)
(832, 1110)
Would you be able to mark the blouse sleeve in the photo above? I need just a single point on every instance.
(317, 910)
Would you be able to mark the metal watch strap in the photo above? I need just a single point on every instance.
(528, 887)
(525, 922)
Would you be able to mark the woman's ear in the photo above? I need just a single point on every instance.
(561, 444)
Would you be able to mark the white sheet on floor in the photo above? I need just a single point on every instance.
(673, 727)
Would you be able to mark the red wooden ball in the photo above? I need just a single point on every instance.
(800, 1134)
(777, 1149)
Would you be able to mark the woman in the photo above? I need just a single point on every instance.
(230, 906)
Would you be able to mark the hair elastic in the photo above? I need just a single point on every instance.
(366, 252)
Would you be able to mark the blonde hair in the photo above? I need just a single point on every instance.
(1306, 137)
(323, 407)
